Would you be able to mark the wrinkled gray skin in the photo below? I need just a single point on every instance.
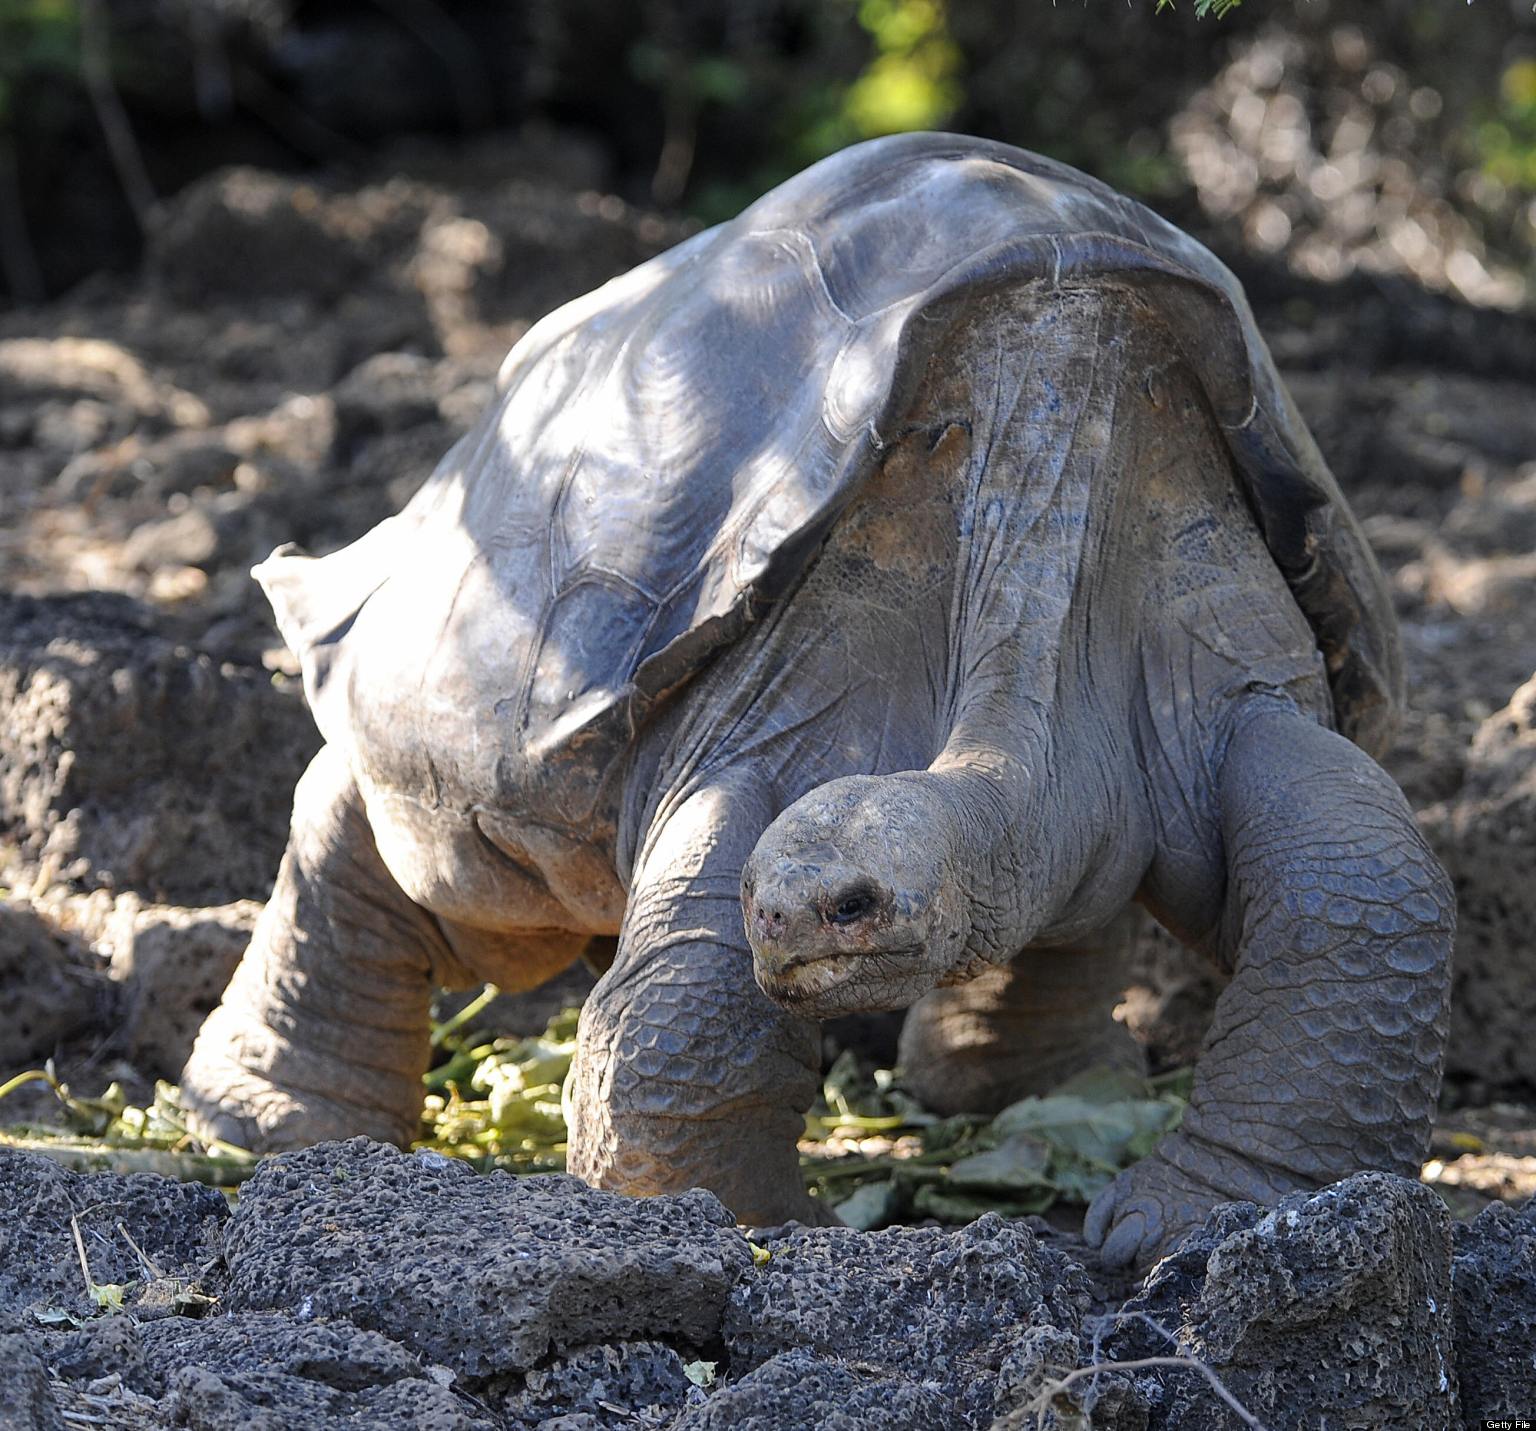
(919, 571)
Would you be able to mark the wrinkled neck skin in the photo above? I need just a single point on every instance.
(939, 645)
(1029, 778)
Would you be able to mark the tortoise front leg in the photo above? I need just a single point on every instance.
(685, 1074)
(1326, 1050)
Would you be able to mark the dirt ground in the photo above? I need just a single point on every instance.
(294, 358)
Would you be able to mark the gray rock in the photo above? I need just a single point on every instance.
(50, 987)
(800, 1391)
(259, 1369)
(1486, 838)
(177, 1225)
(173, 964)
(645, 1380)
(1036, 1368)
(332, 1354)
(271, 1401)
(1336, 1300)
(947, 1306)
(26, 1402)
(1494, 1273)
(129, 762)
(485, 1274)
(242, 232)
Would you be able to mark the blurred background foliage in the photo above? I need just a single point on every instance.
(1389, 134)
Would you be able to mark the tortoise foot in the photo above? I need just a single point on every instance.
(1146, 1212)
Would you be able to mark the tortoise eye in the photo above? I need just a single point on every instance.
(852, 907)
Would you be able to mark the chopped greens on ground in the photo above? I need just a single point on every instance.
(870, 1149)
(1065, 1145)
(108, 1134)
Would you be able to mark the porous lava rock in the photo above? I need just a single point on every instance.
(923, 1306)
(1494, 1275)
(130, 762)
(1337, 1301)
(635, 1382)
(265, 1401)
(176, 1226)
(800, 1391)
(483, 1274)
(26, 1401)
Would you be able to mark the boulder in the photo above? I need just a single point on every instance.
(800, 1391)
(24, 1391)
(1336, 1301)
(484, 1274)
(1494, 1275)
(130, 762)
(927, 1308)
(50, 986)
(173, 964)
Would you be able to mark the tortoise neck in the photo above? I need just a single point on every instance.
(992, 799)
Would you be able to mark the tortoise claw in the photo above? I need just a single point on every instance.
(1146, 1212)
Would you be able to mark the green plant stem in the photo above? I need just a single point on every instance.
(91, 1157)
(476, 1005)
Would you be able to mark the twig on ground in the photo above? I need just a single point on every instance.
(85, 1267)
(475, 1006)
(144, 1257)
(1040, 1404)
(32, 1075)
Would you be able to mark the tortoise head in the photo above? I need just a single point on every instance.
(852, 899)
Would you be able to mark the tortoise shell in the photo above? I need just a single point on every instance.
(666, 452)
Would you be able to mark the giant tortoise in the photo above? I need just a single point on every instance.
(861, 606)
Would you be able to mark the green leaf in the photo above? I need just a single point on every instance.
(108, 1295)
(1019, 1162)
(949, 1133)
(56, 1317)
(721, 80)
(1077, 1182)
(1107, 1134)
(960, 1207)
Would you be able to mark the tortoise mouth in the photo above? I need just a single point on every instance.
(826, 983)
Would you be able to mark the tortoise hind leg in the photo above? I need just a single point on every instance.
(323, 1031)
(1021, 1029)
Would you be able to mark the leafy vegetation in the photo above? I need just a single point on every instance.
(870, 1150)
(1506, 140)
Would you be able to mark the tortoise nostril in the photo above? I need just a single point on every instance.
(770, 921)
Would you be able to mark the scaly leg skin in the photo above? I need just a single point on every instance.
(1326, 1050)
(323, 1031)
(1022, 1029)
(685, 1074)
